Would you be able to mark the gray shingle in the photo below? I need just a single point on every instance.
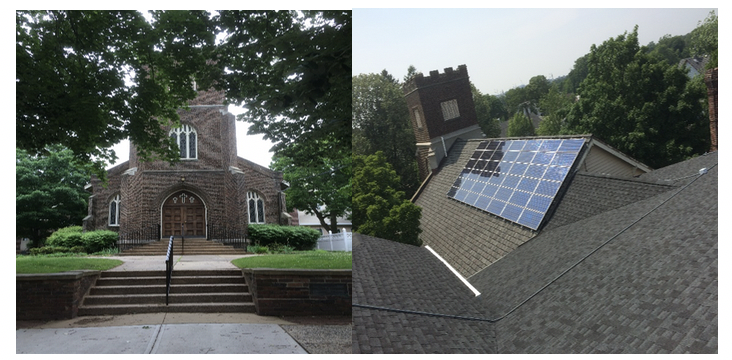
(652, 289)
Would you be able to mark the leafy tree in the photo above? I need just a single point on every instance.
(640, 105)
(536, 89)
(486, 113)
(321, 187)
(555, 105)
(291, 71)
(705, 39)
(381, 123)
(411, 72)
(520, 125)
(89, 79)
(514, 98)
(497, 108)
(378, 208)
(576, 75)
(670, 48)
(49, 192)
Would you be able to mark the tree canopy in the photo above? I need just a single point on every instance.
(489, 111)
(321, 187)
(49, 192)
(639, 104)
(89, 79)
(379, 209)
(380, 121)
(520, 125)
(705, 39)
(291, 71)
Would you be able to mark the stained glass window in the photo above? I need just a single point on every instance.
(187, 140)
(114, 207)
(256, 208)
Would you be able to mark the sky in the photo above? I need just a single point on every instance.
(502, 48)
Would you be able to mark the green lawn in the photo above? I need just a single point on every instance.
(45, 265)
(298, 260)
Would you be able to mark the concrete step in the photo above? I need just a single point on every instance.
(128, 292)
(172, 299)
(177, 289)
(190, 246)
(237, 307)
(176, 280)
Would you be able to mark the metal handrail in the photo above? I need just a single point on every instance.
(168, 269)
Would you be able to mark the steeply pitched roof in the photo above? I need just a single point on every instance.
(464, 226)
(636, 276)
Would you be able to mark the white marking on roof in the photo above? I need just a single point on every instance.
(473, 289)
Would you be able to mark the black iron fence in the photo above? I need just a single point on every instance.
(138, 236)
(227, 235)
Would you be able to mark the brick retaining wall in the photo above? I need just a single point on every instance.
(51, 296)
(298, 292)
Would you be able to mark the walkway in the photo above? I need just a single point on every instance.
(184, 333)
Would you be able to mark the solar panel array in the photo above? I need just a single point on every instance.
(516, 179)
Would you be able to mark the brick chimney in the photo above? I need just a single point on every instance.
(710, 78)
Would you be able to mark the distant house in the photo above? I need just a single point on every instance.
(695, 65)
(301, 218)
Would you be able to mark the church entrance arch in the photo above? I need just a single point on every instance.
(184, 207)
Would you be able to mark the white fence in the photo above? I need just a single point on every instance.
(336, 242)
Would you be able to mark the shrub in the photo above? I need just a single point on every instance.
(280, 249)
(45, 250)
(297, 237)
(98, 240)
(257, 249)
(78, 249)
(66, 237)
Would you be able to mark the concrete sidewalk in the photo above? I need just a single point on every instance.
(181, 262)
(182, 333)
(159, 339)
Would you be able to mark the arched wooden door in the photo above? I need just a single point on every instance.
(186, 208)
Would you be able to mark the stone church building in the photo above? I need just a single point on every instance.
(209, 192)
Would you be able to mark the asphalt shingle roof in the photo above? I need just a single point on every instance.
(464, 226)
(405, 277)
(636, 275)
(589, 195)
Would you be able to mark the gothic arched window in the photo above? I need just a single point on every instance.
(114, 211)
(187, 140)
(256, 208)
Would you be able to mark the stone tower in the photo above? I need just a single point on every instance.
(441, 109)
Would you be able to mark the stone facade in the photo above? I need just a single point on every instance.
(51, 296)
(211, 183)
(441, 110)
(300, 292)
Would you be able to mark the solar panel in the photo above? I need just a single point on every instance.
(516, 179)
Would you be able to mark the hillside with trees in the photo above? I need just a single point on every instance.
(636, 98)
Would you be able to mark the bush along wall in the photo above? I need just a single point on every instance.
(75, 240)
(298, 237)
